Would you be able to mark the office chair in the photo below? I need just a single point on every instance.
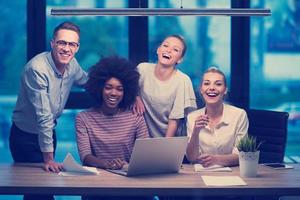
(269, 127)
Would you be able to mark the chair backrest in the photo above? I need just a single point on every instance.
(270, 127)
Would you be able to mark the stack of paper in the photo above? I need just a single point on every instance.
(212, 168)
(72, 168)
(223, 180)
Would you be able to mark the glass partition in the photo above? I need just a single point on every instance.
(275, 58)
(13, 57)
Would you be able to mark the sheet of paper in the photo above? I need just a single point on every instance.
(223, 180)
(72, 168)
(213, 168)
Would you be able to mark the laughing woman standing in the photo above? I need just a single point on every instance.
(166, 94)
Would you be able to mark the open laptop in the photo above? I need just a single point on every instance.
(155, 156)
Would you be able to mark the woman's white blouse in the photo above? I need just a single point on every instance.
(226, 134)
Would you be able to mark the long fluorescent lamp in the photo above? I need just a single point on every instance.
(160, 12)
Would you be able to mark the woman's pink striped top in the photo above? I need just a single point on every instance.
(108, 137)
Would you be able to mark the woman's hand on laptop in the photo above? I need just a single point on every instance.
(125, 167)
(116, 163)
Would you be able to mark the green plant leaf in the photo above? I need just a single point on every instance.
(248, 144)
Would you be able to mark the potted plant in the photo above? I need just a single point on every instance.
(248, 156)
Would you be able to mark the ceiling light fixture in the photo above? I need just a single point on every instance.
(160, 12)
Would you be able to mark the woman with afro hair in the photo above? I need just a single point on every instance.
(106, 132)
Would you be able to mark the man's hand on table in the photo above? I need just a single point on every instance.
(49, 164)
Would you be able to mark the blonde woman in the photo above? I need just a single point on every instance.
(215, 129)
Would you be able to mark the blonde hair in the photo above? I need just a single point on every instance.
(215, 69)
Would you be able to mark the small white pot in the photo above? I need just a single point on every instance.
(248, 162)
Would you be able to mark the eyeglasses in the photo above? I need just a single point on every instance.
(63, 44)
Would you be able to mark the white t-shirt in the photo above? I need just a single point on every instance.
(164, 100)
(223, 139)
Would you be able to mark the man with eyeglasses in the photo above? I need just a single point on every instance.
(45, 85)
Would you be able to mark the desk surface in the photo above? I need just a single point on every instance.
(29, 179)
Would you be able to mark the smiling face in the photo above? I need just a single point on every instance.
(64, 46)
(112, 94)
(170, 51)
(213, 88)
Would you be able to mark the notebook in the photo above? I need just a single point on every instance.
(155, 156)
